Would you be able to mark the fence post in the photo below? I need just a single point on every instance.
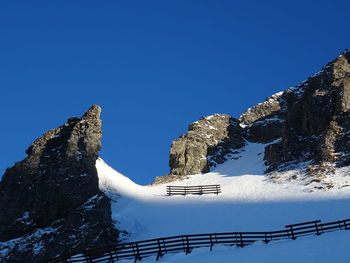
(116, 255)
(188, 246)
(241, 240)
(217, 190)
(137, 252)
(266, 240)
(201, 190)
(211, 242)
(183, 243)
(292, 233)
(318, 232)
(160, 254)
(112, 257)
(88, 258)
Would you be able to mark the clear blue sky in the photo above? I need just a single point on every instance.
(153, 66)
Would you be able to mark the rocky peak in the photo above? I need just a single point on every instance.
(52, 196)
(263, 122)
(316, 119)
(270, 107)
(207, 143)
(311, 121)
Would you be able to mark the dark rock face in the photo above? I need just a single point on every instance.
(263, 122)
(206, 144)
(316, 119)
(270, 108)
(50, 202)
(264, 131)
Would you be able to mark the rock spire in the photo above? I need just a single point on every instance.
(50, 202)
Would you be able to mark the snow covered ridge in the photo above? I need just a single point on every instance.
(275, 101)
(146, 212)
(310, 119)
(250, 201)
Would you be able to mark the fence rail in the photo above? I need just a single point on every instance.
(185, 243)
(195, 189)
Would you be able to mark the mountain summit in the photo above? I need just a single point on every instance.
(50, 202)
(306, 126)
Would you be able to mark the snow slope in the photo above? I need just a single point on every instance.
(249, 202)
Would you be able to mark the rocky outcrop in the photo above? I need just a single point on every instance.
(309, 123)
(263, 122)
(207, 143)
(271, 107)
(316, 119)
(50, 202)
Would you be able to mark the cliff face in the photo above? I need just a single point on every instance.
(316, 119)
(50, 202)
(208, 142)
(263, 122)
(309, 124)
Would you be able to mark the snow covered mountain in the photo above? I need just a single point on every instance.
(249, 201)
(283, 161)
(307, 127)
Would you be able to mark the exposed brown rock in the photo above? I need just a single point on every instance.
(205, 144)
(270, 107)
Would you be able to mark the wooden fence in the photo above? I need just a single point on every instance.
(195, 189)
(185, 243)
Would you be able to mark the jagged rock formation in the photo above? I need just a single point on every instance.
(309, 123)
(263, 122)
(50, 202)
(207, 143)
(316, 119)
